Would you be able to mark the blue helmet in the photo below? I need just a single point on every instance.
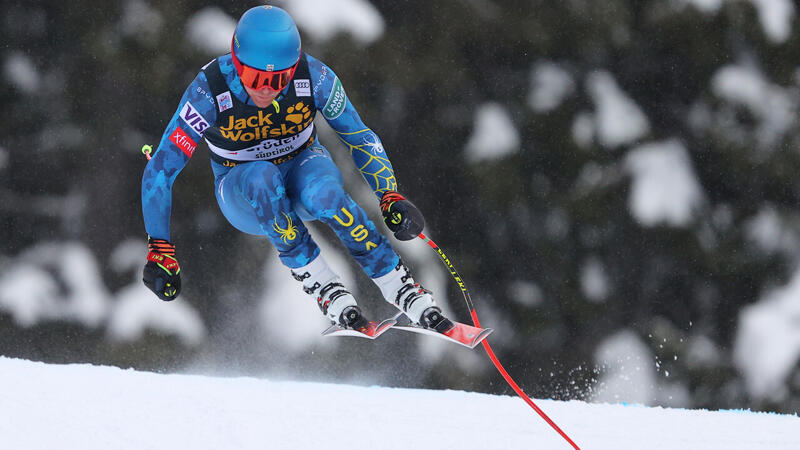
(266, 38)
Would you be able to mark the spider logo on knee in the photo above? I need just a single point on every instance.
(287, 234)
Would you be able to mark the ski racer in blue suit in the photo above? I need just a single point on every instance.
(255, 108)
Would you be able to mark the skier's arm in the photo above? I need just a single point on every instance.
(399, 214)
(194, 114)
(365, 146)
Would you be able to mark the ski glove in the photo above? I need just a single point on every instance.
(162, 274)
(401, 216)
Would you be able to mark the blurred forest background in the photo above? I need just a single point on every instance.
(615, 180)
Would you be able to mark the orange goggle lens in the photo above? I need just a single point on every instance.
(259, 79)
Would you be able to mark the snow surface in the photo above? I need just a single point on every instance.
(93, 407)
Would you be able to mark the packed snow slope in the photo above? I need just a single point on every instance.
(45, 406)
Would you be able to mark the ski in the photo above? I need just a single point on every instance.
(372, 331)
(461, 333)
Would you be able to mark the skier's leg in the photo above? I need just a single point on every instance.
(253, 198)
(318, 182)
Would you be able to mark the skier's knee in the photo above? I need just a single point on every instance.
(262, 178)
(324, 197)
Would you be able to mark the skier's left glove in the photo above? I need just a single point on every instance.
(162, 274)
(401, 216)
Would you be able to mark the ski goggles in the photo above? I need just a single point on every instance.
(259, 79)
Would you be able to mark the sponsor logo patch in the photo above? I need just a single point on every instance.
(302, 88)
(263, 125)
(193, 118)
(183, 141)
(337, 101)
(224, 101)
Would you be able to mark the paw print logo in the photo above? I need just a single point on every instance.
(298, 113)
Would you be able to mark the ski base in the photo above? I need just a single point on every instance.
(372, 331)
(461, 333)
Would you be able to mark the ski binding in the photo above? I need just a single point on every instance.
(461, 333)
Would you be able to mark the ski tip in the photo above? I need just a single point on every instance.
(481, 336)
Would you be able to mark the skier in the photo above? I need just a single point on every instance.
(255, 108)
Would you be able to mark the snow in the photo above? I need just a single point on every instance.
(665, 189)
(140, 20)
(61, 282)
(706, 6)
(20, 72)
(39, 289)
(618, 119)
(594, 281)
(494, 135)
(137, 311)
(550, 84)
(773, 105)
(211, 30)
(583, 129)
(30, 294)
(767, 344)
(776, 18)
(526, 293)
(323, 19)
(628, 374)
(767, 230)
(94, 407)
(703, 353)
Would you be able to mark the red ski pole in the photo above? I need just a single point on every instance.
(485, 342)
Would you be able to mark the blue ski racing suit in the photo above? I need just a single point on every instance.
(271, 173)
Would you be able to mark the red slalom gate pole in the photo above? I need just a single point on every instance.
(486, 345)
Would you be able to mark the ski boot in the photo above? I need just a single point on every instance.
(336, 302)
(333, 299)
(399, 288)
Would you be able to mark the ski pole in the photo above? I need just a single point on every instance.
(485, 342)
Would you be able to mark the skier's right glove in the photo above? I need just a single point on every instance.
(162, 274)
(401, 216)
